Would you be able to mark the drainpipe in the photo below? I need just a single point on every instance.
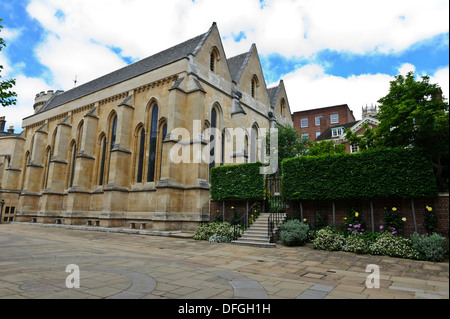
(371, 216)
(414, 215)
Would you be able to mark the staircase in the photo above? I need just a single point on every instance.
(257, 233)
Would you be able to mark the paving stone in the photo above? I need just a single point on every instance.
(186, 268)
(312, 294)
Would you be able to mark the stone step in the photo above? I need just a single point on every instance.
(254, 243)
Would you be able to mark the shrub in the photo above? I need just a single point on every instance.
(430, 221)
(395, 246)
(241, 181)
(393, 173)
(393, 222)
(294, 233)
(430, 247)
(356, 244)
(206, 230)
(354, 224)
(328, 239)
(216, 238)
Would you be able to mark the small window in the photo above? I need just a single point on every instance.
(334, 118)
(317, 134)
(337, 132)
(254, 84)
(353, 148)
(304, 122)
(317, 120)
(212, 61)
(305, 136)
(7, 210)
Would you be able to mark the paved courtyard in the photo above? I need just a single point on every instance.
(33, 261)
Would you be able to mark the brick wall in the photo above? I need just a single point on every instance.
(439, 204)
(345, 116)
(222, 208)
(404, 207)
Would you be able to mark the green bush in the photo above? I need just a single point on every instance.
(378, 173)
(430, 247)
(242, 181)
(357, 243)
(328, 239)
(219, 239)
(294, 233)
(206, 230)
(388, 244)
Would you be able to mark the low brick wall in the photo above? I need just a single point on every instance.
(405, 208)
(224, 208)
(309, 209)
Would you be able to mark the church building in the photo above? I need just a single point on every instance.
(102, 152)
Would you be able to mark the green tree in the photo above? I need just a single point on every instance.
(7, 97)
(364, 141)
(289, 144)
(415, 114)
(324, 147)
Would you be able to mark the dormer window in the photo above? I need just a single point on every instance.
(336, 132)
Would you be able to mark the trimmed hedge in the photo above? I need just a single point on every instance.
(379, 173)
(242, 181)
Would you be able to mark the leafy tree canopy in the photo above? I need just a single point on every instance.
(7, 97)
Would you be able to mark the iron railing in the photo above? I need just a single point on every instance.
(273, 221)
(240, 225)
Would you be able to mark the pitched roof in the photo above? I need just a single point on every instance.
(148, 64)
(273, 94)
(326, 135)
(237, 64)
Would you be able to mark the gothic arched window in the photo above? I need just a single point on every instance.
(140, 159)
(212, 139)
(152, 144)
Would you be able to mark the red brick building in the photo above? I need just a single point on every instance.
(311, 123)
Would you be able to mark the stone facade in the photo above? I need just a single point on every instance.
(102, 153)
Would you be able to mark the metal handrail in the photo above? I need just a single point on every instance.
(242, 223)
(273, 221)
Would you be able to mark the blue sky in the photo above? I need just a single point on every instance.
(327, 52)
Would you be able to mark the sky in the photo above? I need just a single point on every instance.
(327, 52)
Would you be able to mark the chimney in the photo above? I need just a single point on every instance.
(11, 129)
(2, 123)
(324, 123)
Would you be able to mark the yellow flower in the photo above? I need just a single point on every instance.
(429, 208)
(232, 207)
(304, 219)
(394, 209)
(404, 219)
(345, 218)
(217, 210)
(356, 214)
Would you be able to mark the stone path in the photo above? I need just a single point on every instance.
(33, 261)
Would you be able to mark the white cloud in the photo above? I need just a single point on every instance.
(441, 77)
(79, 34)
(291, 28)
(26, 91)
(310, 87)
(405, 68)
